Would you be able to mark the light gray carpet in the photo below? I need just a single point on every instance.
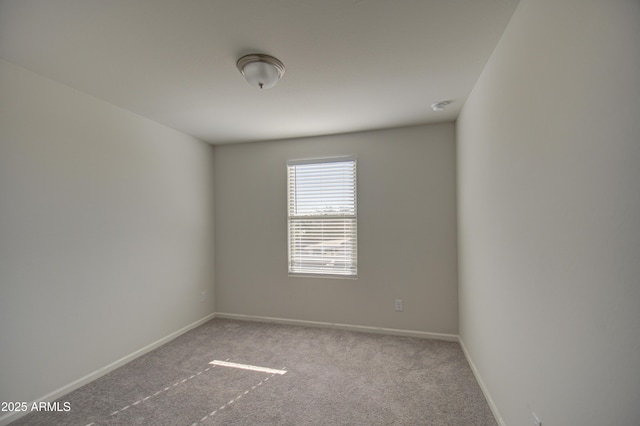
(333, 377)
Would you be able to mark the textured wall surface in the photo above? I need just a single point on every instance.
(549, 204)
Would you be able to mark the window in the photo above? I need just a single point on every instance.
(322, 217)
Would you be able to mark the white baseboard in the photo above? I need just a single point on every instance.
(351, 327)
(6, 419)
(485, 390)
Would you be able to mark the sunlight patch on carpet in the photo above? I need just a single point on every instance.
(248, 367)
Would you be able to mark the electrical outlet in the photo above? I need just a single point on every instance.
(399, 305)
(536, 420)
(203, 296)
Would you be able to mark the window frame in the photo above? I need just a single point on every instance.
(296, 218)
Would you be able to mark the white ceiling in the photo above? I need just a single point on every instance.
(351, 65)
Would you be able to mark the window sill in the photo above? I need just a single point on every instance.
(325, 276)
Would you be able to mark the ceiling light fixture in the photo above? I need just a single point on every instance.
(261, 71)
(440, 106)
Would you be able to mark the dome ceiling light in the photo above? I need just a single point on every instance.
(261, 71)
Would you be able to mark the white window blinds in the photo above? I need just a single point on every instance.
(322, 217)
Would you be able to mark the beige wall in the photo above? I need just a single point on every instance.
(106, 234)
(549, 204)
(406, 231)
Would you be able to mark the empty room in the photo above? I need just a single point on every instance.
(330, 212)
